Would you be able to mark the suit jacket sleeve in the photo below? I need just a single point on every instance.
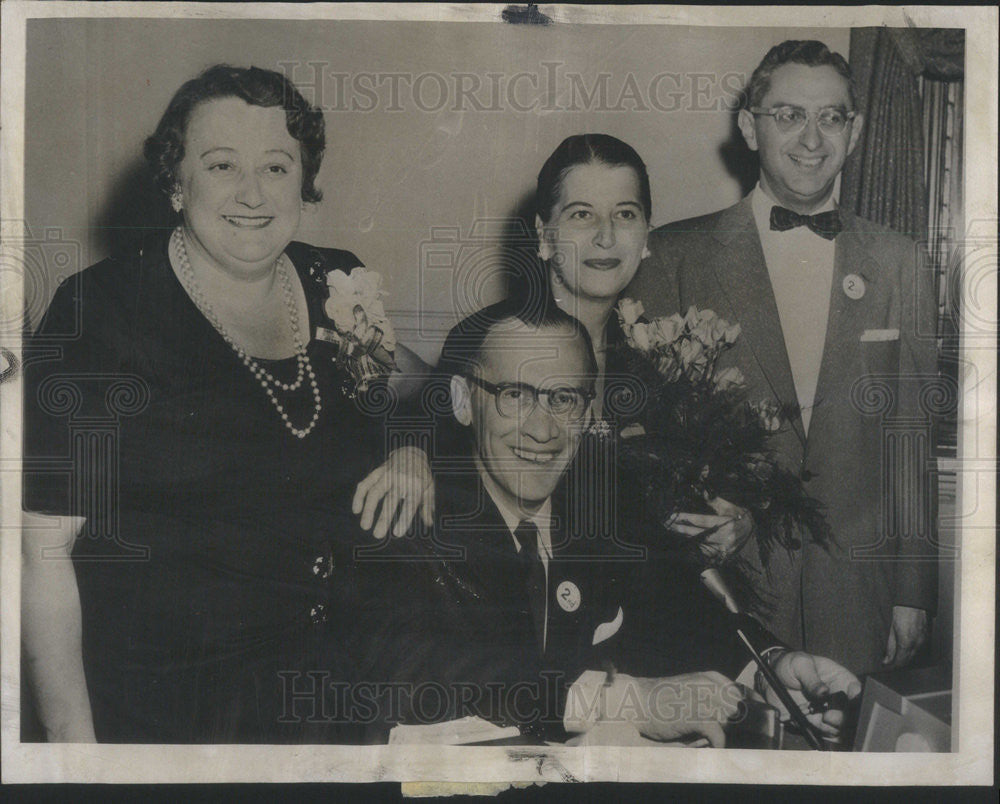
(674, 625)
(915, 578)
(439, 652)
(656, 282)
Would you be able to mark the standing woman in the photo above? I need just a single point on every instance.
(593, 207)
(593, 210)
(211, 563)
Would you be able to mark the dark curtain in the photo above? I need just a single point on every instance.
(943, 128)
(886, 180)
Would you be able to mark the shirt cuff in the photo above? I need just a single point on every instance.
(746, 676)
(591, 700)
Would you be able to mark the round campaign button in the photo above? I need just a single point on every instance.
(854, 286)
(568, 595)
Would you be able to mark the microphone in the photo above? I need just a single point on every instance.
(717, 585)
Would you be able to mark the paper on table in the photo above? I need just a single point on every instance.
(465, 730)
(621, 734)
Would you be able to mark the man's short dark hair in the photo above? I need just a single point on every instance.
(796, 51)
(463, 348)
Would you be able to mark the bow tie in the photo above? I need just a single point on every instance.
(825, 224)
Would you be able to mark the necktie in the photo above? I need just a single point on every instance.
(826, 224)
(533, 572)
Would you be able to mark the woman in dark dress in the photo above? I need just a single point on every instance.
(200, 438)
(593, 207)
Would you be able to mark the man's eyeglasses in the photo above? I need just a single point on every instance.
(518, 399)
(792, 119)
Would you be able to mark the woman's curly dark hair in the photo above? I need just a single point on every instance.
(164, 149)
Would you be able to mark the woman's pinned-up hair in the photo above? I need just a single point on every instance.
(529, 282)
(586, 149)
(164, 149)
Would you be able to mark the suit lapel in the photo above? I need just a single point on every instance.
(499, 569)
(490, 557)
(852, 255)
(582, 592)
(741, 273)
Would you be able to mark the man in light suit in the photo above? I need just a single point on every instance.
(835, 314)
(503, 612)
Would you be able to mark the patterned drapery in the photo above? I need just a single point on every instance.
(884, 179)
(943, 124)
(906, 171)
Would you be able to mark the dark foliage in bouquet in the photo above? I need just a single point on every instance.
(689, 433)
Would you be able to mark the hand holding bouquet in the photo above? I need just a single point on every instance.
(697, 437)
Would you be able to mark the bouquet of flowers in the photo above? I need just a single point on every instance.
(696, 435)
(362, 333)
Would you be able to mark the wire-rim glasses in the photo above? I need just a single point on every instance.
(792, 119)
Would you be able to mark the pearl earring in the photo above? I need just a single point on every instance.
(646, 253)
(557, 284)
(176, 201)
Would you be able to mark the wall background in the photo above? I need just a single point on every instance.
(96, 89)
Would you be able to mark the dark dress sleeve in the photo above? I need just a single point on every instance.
(674, 625)
(72, 363)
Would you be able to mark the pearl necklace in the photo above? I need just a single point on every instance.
(267, 380)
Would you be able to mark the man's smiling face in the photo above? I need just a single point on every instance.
(527, 455)
(799, 169)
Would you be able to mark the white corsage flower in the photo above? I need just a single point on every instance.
(356, 309)
(362, 334)
(631, 311)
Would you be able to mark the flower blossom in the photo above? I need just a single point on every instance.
(665, 330)
(355, 303)
(729, 379)
(769, 413)
(640, 337)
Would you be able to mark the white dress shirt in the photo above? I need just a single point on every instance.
(800, 264)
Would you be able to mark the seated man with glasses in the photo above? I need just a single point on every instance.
(501, 613)
(833, 308)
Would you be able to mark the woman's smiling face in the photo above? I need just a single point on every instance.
(597, 230)
(241, 184)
